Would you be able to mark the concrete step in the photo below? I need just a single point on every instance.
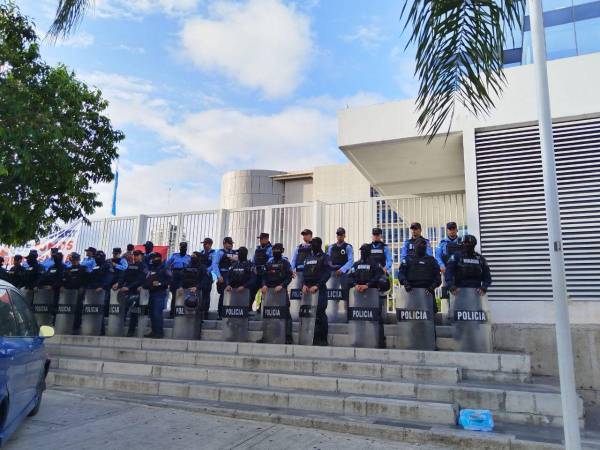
(360, 405)
(483, 367)
(540, 406)
(305, 365)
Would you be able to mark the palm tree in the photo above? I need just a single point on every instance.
(68, 15)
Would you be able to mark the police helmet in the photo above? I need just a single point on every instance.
(470, 240)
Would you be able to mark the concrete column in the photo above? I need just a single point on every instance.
(471, 195)
(139, 235)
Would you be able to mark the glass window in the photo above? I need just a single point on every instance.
(8, 323)
(588, 36)
(560, 41)
(556, 4)
(25, 319)
(527, 49)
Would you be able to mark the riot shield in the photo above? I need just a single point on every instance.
(28, 296)
(93, 312)
(364, 317)
(186, 323)
(116, 313)
(43, 306)
(235, 315)
(274, 316)
(295, 288)
(65, 312)
(308, 314)
(415, 315)
(143, 327)
(471, 321)
(337, 300)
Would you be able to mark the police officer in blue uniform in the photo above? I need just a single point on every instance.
(222, 262)
(302, 251)
(241, 274)
(408, 248)
(52, 277)
(420, 271)
(380, 253)
(16, 272)
(129, 282)
(49, 262)
(341, 255)
(148, 250)
(100, 276)
(176, 263)
(448, 246)
(157, 281)
(119, 265)
(33, 270)
(317, 270)
(468, 269)
(262, 254)
(89, 260)
(278, 275)
(74, 277)
(207, 255)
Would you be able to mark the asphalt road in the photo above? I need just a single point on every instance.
(84, 422)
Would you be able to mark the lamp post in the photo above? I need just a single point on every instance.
(557, 266)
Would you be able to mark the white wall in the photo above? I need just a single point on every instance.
(244, 188)
(298, 191)
(340, 182)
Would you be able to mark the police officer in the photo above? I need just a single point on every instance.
(278, 275)
(468, 269)
(48, 262)
(129, 282)
(119, 265)
(448, 246)
(89, 261)
(193, 276)
(408, 248)
(157, 282)
(341, 255)
(100, 277)
(33, 270)
(420, 271)
(16, 272)
(317, 270)
(74, 277)
(206, 259)
(262, 254)
(128, 255)
(148, 250)
(241, 274)
(176, 263)
(380, 251)
(53, 276)
(222, 262)
(302, 251)
(368, 272)
(4, 275)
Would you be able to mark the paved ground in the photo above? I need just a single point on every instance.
(83, 422)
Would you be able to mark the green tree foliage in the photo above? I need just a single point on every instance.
(55, 142)
(459, 54)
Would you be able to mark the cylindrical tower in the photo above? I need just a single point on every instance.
(244, 188)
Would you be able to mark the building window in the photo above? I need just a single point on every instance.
(588, 36)
(560, 41)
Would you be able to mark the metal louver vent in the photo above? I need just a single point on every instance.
(513, 227)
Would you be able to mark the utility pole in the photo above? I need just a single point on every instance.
(557, 265)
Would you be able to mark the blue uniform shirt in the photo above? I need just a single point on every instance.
(121, 265)
(295, 256)
(268, 250)
(440, 250)
(215, 261)
(349, 254)
(407, 246)
(47, 263)
(176, 261)
(211, 260)
(88, 263)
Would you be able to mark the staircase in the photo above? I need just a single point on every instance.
(399, 394)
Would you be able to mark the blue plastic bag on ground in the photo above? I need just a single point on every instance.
(476, 419)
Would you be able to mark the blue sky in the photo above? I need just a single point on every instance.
(202, 87)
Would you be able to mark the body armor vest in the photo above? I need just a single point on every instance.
(469, 268)
(303, 253)
(451, 249)
(190, 277)
(363, 273)
(74, 277)
(419, 270)
(339, 255)
(131, 273)
(378, 254)
(275, 273)
(260, 256)
(313, 268)
(226, 261)
(240, 273)
(205, 258)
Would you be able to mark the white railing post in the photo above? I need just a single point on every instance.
(103, 236)
(268, 225)
(179, 233)
(317, 218)
(222, 215)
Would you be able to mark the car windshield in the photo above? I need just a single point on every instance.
(8, 322)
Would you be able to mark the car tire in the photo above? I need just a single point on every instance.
(38, 402)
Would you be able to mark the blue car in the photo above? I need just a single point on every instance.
(24, 362)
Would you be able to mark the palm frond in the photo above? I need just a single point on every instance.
(459, 55)
(68, 15)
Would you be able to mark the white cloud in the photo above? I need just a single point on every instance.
(368, 36)
(261, 44)
(130, 49)
(202, 145)
(82, 39)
